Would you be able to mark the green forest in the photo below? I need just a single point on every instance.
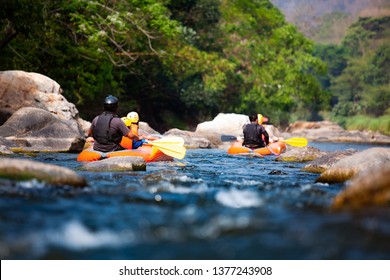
(181, 62)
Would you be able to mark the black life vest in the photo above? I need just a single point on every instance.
(252, 135)
(102, 133)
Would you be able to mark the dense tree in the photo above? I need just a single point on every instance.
(362, 86)
(176, 62)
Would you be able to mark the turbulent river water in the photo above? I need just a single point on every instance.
(207, 206)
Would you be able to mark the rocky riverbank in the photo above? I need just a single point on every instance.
(35, 117)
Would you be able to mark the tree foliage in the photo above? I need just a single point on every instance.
(175, 62)
(359, 69)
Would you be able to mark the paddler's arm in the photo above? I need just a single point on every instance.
(90, 138)
(132, 136)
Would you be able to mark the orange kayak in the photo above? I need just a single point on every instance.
(275, 148)
(147, 152)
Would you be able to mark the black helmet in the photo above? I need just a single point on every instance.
(110, 103)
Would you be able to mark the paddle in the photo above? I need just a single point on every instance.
(295, 141)
(169, 140)
(175, 151)
(171, 146)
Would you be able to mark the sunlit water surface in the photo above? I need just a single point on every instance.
(208, 206)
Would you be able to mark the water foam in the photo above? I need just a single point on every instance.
(235, 198)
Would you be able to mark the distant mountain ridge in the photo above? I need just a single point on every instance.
(325, 21)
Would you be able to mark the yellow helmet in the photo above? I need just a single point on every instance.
(126, 121)
(133, 117)
(259, 118)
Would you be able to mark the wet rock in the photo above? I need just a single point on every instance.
(277, 172)
(4, 146)
(348, 167)
(22, 169)
(117, 164)
(369, 188)
(301, 154)
(192, 140)
(4, 150)
(36, 130)
(323, 163)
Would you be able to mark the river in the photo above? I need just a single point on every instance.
(209, 205)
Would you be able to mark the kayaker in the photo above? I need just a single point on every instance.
(253, 134)
(107, 129)
(132, 122)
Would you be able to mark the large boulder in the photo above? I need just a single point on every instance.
(144, 128)
(20, 89)
(33, 129)
(349, 167)
(367, 189)
(22, 169)
(192, 140)
(324, 162)
(230, 124)
(300, 154)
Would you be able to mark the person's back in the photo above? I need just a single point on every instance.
(107, 129)
(253, 134)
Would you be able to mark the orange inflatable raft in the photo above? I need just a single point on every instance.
(275, 148)
(148, 152)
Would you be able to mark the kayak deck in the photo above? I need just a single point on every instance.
(275, 148)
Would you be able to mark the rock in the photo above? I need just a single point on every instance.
(230, 124)
(117, 164)
(33, 129)
(144, 128)
(369, 188)
(4, 150)
(323, 163)
(22, 169)
(301, 154)
(5, 145)
(327, 131)
(20, 89)
(348, 167)
(273, 132)
(192, 140)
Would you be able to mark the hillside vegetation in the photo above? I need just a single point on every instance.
(327, 21)
(359, 75)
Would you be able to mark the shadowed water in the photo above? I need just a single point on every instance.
(208, 206)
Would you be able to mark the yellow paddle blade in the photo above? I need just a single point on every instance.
(154, 151)
(169, 140)
(295, 142)
(175, 151)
